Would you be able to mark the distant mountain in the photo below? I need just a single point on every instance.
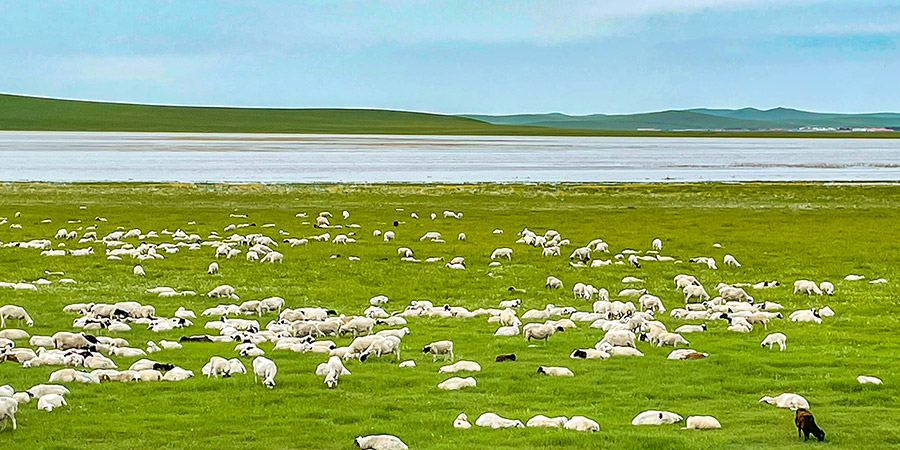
(702, 119)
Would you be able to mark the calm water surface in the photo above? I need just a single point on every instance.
(169, 157)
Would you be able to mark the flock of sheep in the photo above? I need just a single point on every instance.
(626, 318)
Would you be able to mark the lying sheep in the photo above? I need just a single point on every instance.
(786, 400)
(653, 417)
(702, 423)
(380, 442)
(456, 383)
(494, 421)
(581, 423)
(555, 371)
(544, 421)
(462, 422)
(862, 379)
(460, 366)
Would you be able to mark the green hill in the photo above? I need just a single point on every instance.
(32, 113)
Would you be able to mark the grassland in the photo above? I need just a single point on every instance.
(24, 113)
(783, 232)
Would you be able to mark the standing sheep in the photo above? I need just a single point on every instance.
(139, 271)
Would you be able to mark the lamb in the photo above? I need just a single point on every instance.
(581, 423)
(544, 421)
(139, 271)
(444, 348)
(217, 366)
(806, 287)
(731, 261)
(653, 417)
(51, 401)
(388, 236)
(222, 291)
(773, 339)
(462, 422)
(507, 357)
(539, 331)
(656, 244)
(827, 288)
(494, 421)
(266, 369)
(862, 379)
(468, 366)
(555, 371)
(786, 400)
(272, 257)
(701, 423)
(806, 425)
(502, 252)
(213, 268)
(14, 312)
(456, 383)
(380, 442)
(8, 408)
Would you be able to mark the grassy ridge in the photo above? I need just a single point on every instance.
(782, 232)
(42, 114)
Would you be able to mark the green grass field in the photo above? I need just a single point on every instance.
(46, 114)
(778, 231)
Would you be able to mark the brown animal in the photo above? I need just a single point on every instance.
(806, 424)
(695, 355)
(509, 357)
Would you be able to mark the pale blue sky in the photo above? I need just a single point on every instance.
(480, 56)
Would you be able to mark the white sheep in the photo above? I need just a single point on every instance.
(862, 379)
(460, 366)
(553, 283)
(555, 371)
(8, 408)
(51, 401)
(502, 252)
(731, 261)
(773, 339)
(456, 383)
(444, 348)
(494, 421)
(272, 257)
(213, 268)
(806, 287)
(581, 423)
(462, 422)
(653, 417)
(380, 442)
(826, 287)
(541, 420)
(701, 423)
(14, 312)
(139, 271)
(265, 369)
(786, 400)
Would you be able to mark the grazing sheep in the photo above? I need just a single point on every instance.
(553, 283)
(806, 287)
(701, 423)
(460, 366)
(14, 312)
(139, 271)
(806, 425)
(656, 244)
(502, 252)
(508, 357)
(581, 423)
(862, 379)
(380, 442)
(444, 348)
(653, 417)
(673, 339)
(494, 421)
(456, 383)
(773, 339)
(555, 371)
(462, 422)
(265, 369)
(786, 400)
(213, 268)
(544, 421)
(731, 261)
(827, 288)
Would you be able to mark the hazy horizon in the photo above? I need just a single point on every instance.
(506, 57)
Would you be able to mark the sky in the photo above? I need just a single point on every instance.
(478, 56)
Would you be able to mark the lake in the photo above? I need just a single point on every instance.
(183, 157)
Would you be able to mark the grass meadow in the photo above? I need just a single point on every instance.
(778, 232)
